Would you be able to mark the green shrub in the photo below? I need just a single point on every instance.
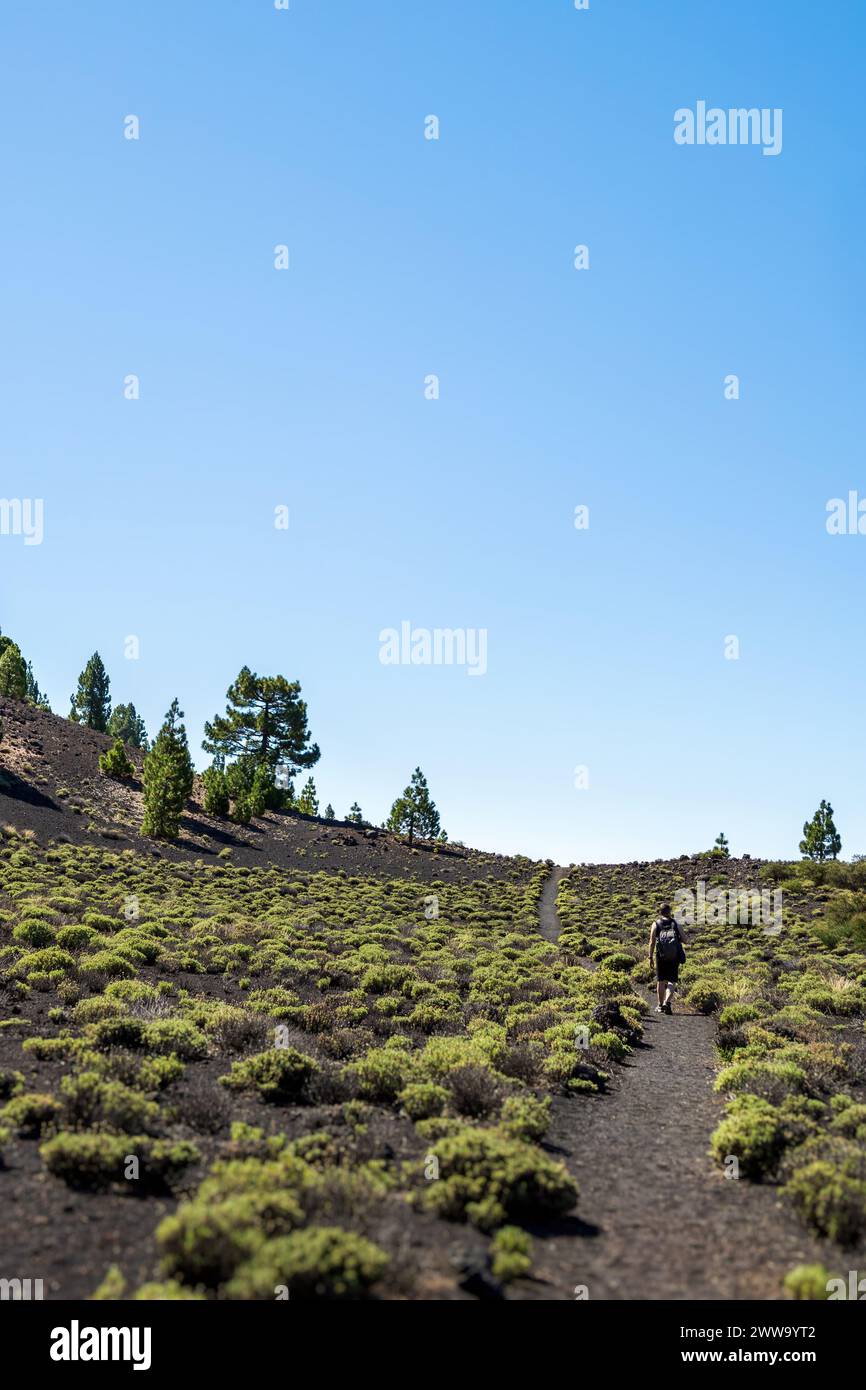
(175, 1036)
(92, 1162)
(30, 1113)
(100, 921)
(321, 1262)
(380, 1075)
(525, 1117)
(112, 1288)
(96, 1007)
(74, 938)
(703, 997)
(117, 1032)
(611, 1044)
(771, 1080)
(50, 1049)
(486, 1177)
(101, 963)
(36, 933)
(619, 960)
(423, 1100)
(49, 961)
(280, 1076)
(851, 1122)
(829, 1201)
(203, 1242)
(808, 1282)
(511, 1251)
(11, 1083)
(116, 764)
(89, 1102)
(734, 1015)
(753, 1132)
(168, 1292)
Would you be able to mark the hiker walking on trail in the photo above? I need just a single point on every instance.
(666, 942)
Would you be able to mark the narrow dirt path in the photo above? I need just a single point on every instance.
(548, 918)
(656, 1218)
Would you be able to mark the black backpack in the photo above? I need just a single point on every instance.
(667, 941)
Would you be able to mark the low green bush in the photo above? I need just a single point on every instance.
(808, 1282)
(486, 1177)
(280, 1076)
(525, 1116)
(511, 1254)
(30, 1113)
(753, 1132)
(93, 1161)
(321, 1262)
(422, 1100)
(829, 1201)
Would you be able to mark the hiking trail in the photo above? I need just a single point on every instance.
(656, 1217)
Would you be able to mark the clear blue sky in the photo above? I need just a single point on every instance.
(558, 387)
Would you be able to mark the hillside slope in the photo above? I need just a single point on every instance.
(50, 783)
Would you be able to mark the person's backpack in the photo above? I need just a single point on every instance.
(667, 941)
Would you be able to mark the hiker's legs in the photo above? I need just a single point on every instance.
(669, 993)
(661, 990)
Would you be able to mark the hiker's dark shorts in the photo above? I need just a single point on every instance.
(668, 970)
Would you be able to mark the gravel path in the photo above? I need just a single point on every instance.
(656, 1218)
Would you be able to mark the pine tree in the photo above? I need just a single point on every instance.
(90, 703)
(216, 792)
(116, 764)
(263, 792)
(265, 721)
(168, 778)
(721, 848)
(356, 815)
(329, 812)
(414, 813)
(34, 695)
(126, 724)
(13, 673)
(308, 801)
(821, 840)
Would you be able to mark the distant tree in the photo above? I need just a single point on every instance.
(308, 801)
(126, 724)
(265, 722)
(329, 812)
(90, 703)
(116, 764)
(216, 792)
(168, 778)
(721, 848)
(356, 815)
(13, 673)
(414, 813)
(34, 695)
(251, 789)
(821, 840)
(263, 792)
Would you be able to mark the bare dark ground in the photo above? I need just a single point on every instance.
(656, 1218)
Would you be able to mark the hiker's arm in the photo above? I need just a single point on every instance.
(652, 943)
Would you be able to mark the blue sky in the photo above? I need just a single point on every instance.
(558, 387)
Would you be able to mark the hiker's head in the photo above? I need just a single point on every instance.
(665, 910)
